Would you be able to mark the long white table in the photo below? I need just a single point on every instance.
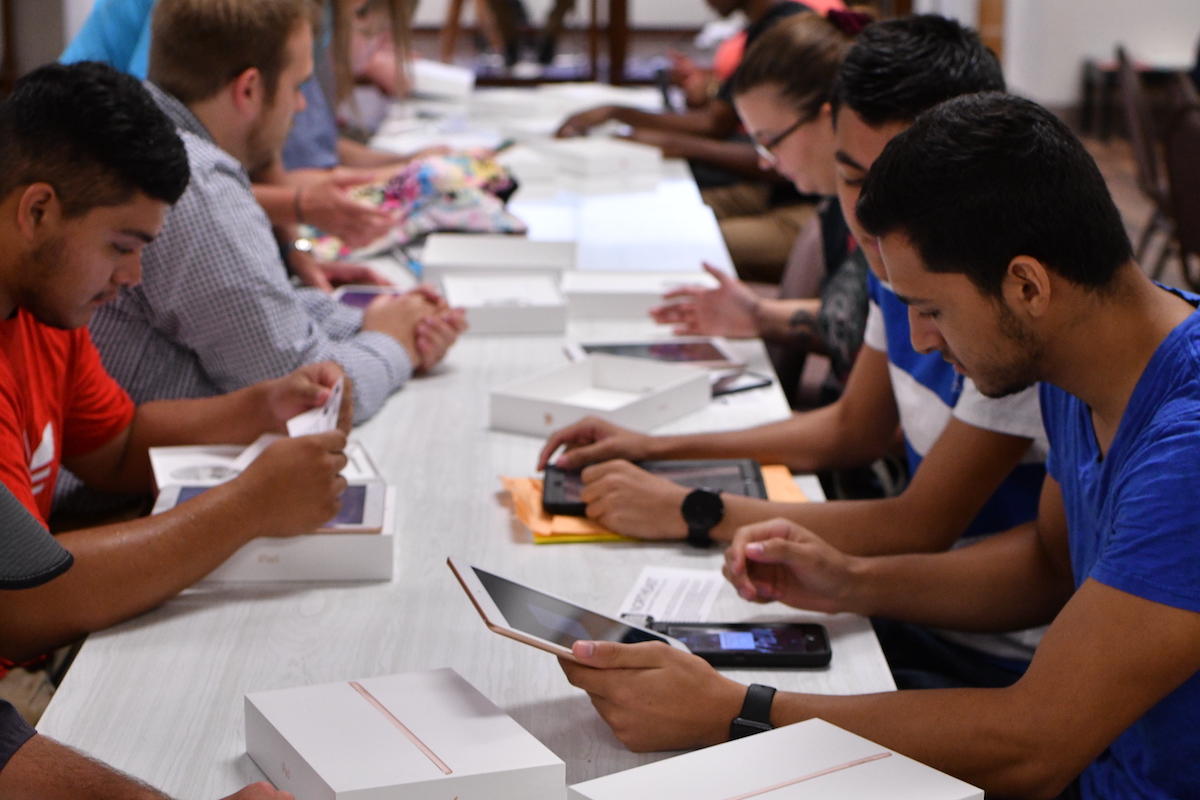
(161, 696)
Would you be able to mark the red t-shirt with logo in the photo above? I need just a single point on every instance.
(55, 400)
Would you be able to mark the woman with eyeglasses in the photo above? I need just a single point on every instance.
(782, 92)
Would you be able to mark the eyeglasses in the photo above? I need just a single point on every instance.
(766, 149)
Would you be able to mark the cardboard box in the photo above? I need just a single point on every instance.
(632, 392)
(810, 760)
(603, 158)
(494, 254)
(435, 79)
(310, 557)
(508, 304)
(418, 736)
(624, 295)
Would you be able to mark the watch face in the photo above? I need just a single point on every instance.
(703, 509)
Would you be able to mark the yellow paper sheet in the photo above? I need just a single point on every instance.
(526, 494)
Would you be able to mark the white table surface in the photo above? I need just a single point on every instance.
(160, 697)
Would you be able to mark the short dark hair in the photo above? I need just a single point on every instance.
(984, 178)
(901, 67)
(92, 133)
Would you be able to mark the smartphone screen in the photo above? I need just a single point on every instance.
(354, 502)
(554, 620)
(748, 638)
(359, 299)
(665, 351)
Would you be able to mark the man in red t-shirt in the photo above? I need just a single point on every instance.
(88, 166)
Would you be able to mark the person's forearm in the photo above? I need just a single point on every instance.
(736, 157)
(1006, 582)
(354, 154)
(238, 417)
(784, 320)
(125, 569)
(989, 738)
(279, 202)
(702, 122)
(43, 769)
(805, 442)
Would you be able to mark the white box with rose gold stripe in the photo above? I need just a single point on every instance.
(417, 736)
(810, 760)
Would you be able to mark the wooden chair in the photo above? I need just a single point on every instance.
(1181, 148)
(1142, 139)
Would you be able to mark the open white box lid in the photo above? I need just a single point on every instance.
(399, 730)
(811, 760)
(656, 283)
(501, 291)
(603, 382)
(485, 251)
(211, 465)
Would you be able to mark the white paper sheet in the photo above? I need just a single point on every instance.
(671, 594)
(319, 420)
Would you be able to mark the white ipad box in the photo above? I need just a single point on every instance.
(309, 557)
(594, 157)
(633, 392)
(417, 736)
(810, 760)
(624, 295)
(494, 254)
(435, 79)
(508, 303)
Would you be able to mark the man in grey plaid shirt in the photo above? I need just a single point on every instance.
(215, 310)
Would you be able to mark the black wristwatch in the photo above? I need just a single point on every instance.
(702, 510)
(755, 716)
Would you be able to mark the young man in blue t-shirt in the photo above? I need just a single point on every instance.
(976, 462)
(1031, 279)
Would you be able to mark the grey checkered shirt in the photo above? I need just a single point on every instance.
(215, 311)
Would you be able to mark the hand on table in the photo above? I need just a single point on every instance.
(306, 388)
(780, 561)
(729, 310)
(294, 486)
(628, 500)
(436, 334)
(579, 124)
(653, 696)
(260, 791)
(592, 440)
(328, 206)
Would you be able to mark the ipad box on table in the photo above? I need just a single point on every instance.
(417, 736)
(624, 295)
(633, 392)
(508, 304)
(810, 760)
(494, 254)
(335, 556)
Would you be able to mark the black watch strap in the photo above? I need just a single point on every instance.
(755, 716)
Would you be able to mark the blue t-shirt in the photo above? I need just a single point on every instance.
(117, 32)
(1133, 519)
(929, 393)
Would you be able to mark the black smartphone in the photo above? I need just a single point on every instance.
(739, 382)
(561, 488)
(753, 644)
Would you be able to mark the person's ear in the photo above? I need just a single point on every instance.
(37, 210)
(248, 94)
(1026, 287)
